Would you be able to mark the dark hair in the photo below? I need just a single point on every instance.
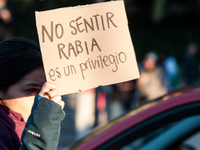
(18, 56)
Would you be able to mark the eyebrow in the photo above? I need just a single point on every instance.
(33, 84)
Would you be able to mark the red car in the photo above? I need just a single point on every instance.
(170, 122)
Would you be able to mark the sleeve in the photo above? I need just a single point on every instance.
(42, 129)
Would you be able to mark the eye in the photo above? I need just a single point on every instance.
(33, 91)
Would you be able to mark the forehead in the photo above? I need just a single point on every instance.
(36, 76)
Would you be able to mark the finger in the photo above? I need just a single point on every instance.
(57, 98)
(47, 87)
(47, 95)
(62, 104)
(50, 94)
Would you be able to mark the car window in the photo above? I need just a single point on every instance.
(166, 136)
(138, 143)
(191, 142)
(179, 121)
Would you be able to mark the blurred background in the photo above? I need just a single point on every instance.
(166, 38)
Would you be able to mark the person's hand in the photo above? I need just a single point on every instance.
(50, 91)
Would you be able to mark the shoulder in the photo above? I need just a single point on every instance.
(8, 136)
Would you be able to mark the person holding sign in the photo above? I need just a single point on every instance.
(31, 108)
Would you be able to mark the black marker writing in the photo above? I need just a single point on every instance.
(96, 22)
(103, 61)
(77, 48)
(58, 29)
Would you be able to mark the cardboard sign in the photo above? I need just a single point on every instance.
(87, 46)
